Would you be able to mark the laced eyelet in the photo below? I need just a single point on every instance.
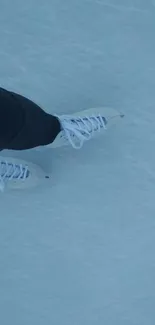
(80, 129)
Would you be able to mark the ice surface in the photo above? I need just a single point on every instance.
(81, 250)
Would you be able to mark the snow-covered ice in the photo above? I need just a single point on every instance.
(81, 250)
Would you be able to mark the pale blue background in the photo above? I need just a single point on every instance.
(81, 250)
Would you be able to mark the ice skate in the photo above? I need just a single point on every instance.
(81, 127)
(18, 174)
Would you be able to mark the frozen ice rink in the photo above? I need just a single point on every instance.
(81, 250)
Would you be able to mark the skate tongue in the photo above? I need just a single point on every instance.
(78, 129)
(8, 170)
(90, 124)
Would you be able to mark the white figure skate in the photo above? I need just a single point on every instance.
(82, 126)
(18, 174)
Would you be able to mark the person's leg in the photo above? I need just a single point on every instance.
(23, 124)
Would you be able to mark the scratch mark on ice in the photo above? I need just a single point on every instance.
(121, 8)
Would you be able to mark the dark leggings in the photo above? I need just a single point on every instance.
(23, 124)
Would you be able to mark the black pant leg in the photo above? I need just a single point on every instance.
(25, 124)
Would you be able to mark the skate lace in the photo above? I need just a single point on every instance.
(80, 129)
(10, 171)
